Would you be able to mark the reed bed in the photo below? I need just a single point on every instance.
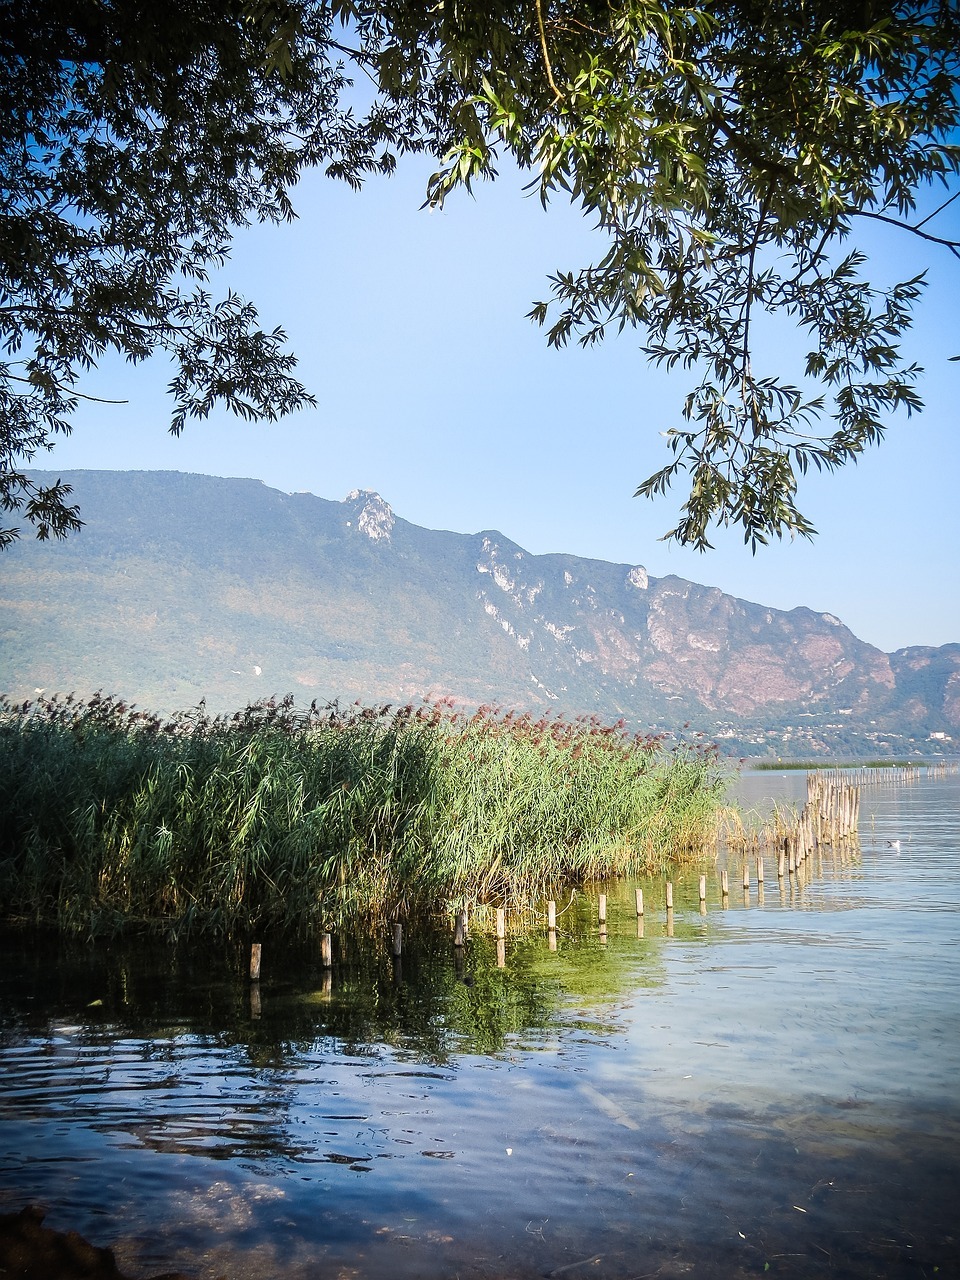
(306, 821)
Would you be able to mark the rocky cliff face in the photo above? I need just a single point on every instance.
(682, 640)
(183, 587)
(374, 517)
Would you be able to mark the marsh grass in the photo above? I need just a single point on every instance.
(313, 820)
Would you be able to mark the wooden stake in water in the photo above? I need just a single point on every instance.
(746, 874)
(639, 902)
(501, 923)
(759, 871)
(255, 962)
(603, 908)
(326, 951)
(724, 885)
(397, 938)
(460, 929)
(703, 888)
(552, 915)
(669, 896)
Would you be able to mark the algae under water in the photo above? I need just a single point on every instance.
(766, 1088)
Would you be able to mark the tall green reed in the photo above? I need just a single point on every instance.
(312, 820)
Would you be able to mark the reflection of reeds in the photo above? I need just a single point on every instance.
(307, 820)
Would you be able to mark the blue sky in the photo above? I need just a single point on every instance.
(434, 390)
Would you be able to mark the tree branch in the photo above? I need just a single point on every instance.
(80, 395)
(952, 245)
(546, 53)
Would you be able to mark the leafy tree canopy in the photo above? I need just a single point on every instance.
(728, 151)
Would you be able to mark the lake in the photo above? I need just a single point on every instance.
(767, 1087)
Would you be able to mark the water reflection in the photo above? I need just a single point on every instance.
(763, 1082)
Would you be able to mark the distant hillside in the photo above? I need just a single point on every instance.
(183, 587)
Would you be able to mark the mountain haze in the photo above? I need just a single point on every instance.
(182, 587)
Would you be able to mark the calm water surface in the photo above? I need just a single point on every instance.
(769, 1087)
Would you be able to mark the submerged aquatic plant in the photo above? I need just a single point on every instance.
(306, 820)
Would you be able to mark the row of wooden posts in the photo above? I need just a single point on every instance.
(829, 817)
(885, 774)
(460, 922)
(831, 814)
(790, 862)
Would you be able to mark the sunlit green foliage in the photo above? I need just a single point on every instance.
(134, 140)
(307, 821)
(726, 151)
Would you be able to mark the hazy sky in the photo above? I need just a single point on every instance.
(434, 390)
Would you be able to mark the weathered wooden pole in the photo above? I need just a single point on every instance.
(639, 902)
(603, 908)
(703, 888)
(396, 949)
(552, 915)
(669, 896)
(460, 929)
(501, 923)
(326, 951)
(255, 1007)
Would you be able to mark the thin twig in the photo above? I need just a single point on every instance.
(745, 373)
(955, 195)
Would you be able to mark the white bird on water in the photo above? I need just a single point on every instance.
(895, 846)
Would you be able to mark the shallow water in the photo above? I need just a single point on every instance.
(769, 1087)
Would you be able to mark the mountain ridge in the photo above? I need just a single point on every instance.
(182, 587)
